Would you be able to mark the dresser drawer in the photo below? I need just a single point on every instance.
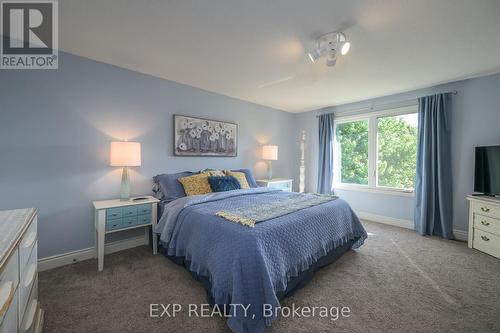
(129, 211)
(285, 186)
(28, 322)
(26, 246)
(487, 224)
(27, 280)
(144, 219)
(144, 209)
(486, 209)
(113, 213)
(114, 224)
(9, 279)
(10, 320)
(487, 242)
(129, 221)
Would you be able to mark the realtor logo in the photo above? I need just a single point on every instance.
(29, 32)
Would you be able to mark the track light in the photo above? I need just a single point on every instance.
(316, 54)
(330, 44)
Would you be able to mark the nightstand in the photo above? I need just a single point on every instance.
(281, 183)
(115, 215)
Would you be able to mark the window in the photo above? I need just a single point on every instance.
(352, 140)
(397, 151)
(377, 150)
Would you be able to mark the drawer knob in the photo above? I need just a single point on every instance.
(485, 209)
(485, 238)
(485, 223)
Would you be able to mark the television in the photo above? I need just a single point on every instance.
(487, 170)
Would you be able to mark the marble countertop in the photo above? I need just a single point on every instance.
(12, 225)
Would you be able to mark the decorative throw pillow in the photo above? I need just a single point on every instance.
(250, 179)
(223, 183)
(240, 176)
(213, 172)
(196, 184)
(169, 186)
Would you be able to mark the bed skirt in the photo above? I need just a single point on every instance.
(294, 284)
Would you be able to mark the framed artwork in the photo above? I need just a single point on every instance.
(204, 137)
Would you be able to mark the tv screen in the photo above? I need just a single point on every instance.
(487, 170)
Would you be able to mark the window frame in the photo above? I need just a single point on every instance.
(372, 118)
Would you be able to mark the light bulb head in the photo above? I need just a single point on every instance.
(312, 56)
(316, 54)
(345, 48)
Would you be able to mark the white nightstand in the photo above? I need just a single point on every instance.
(115, 215)
(281, 183)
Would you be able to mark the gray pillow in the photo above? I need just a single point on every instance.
(169, 186)
(249, 176)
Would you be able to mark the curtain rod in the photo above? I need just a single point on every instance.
(372, 107)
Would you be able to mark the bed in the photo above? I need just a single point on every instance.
(255, 266)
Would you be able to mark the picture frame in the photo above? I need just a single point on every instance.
(194, 136)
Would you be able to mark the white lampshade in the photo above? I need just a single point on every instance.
(270, 152)
(125, 154)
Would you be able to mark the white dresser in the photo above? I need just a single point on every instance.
(484, 224)
(19, 307)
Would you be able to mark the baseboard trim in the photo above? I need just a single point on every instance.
(386, 220)
(461, 235)
(72, 257)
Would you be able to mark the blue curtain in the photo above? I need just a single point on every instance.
(325, 165)
(433, 190)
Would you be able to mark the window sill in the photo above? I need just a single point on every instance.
(379, 190)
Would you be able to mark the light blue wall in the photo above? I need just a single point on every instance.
(475, 121)
(55, 129)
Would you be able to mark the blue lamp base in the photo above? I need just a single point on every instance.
(269, 170)
(125, 187)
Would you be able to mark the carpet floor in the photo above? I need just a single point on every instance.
(397, 282)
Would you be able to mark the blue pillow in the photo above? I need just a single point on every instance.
(248, 174)
(170, 187)
(223, 183)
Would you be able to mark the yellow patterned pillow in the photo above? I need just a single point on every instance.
(240, 176)
(196, 184)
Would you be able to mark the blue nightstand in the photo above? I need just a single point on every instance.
(116, 215)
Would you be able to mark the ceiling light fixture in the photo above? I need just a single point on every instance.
(329, 44)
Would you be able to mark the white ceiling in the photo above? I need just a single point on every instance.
(254, 50)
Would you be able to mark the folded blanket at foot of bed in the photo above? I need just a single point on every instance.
(250, 214)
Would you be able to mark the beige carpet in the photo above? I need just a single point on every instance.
(397, 282)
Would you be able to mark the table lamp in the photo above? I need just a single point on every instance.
(125, 154)
(270, 153)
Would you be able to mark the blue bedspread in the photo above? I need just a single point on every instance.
(250, 265)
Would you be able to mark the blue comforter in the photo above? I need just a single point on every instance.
(250, 265)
